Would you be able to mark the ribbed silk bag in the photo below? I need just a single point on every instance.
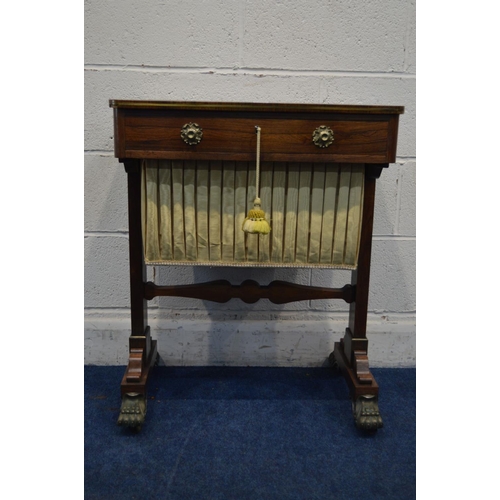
(193, 213)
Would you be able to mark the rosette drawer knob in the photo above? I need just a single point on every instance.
(191, 133)
(323, 136)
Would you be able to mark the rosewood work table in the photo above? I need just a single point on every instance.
(195, 169)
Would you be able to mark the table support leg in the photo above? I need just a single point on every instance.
(350, 355)
(142, 350)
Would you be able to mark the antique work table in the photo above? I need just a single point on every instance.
(191, 181)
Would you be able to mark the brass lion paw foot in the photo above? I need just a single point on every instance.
(133, 410)
(366, 413)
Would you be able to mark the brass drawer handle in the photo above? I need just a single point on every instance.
(191, 133)
(323, 136)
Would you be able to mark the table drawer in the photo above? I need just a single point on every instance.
(230, 135)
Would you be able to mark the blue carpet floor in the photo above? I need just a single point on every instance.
(249, 433)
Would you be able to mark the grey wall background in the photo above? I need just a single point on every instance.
(335, 52)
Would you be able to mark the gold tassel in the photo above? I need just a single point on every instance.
(255, 222)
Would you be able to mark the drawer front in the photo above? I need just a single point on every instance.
(231, 136)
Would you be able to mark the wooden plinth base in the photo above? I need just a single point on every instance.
(356, 388)
(140, 385)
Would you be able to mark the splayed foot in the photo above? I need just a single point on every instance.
(133, 410)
